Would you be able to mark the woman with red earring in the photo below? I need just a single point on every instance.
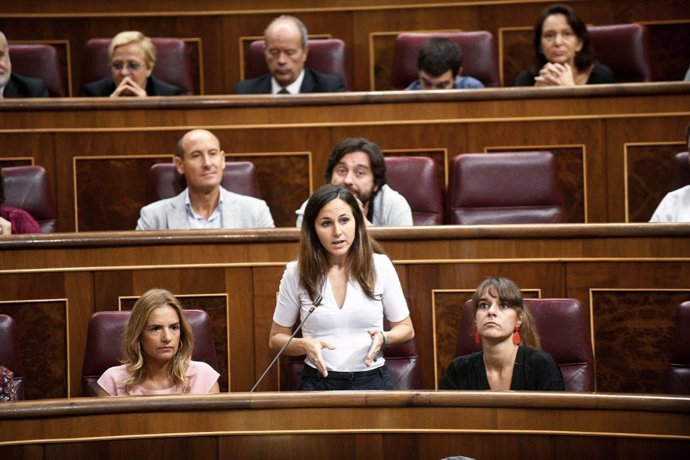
(511, 358)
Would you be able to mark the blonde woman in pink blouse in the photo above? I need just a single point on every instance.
(157, 350)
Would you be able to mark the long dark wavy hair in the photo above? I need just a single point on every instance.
(313, 257)
(583, 58)
(508, 292)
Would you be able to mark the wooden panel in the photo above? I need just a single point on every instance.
(420, 425)
(648, 169)
(633, 331)
(42, 335)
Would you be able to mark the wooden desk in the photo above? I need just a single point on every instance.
(613, 143)
(405, 425)
(632, 278)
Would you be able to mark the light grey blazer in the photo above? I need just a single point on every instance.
(239, 211)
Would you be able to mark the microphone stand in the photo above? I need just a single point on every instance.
(316, 303)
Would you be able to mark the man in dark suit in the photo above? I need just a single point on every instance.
(286, 52)
(13, 85)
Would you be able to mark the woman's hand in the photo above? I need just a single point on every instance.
(554, 74)
(5, 226)
(312, 348)
(377, 341)
(128, 87)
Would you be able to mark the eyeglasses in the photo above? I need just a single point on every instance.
(119, 66)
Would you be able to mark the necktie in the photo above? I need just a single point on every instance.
(283, 91)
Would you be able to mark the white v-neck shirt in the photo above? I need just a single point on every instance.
(345, 327)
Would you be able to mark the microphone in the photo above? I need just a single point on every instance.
(316, 303)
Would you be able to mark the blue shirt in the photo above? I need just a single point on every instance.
(461, 82)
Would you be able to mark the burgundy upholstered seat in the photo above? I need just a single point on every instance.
(40, 61)
(416, 178)
(480, 58)
(9, 352)
(625, 49)
(103, 344)
(325, 55)
(504, 188)
(238, 176)
(679, 365)
(27, 188)
(173, 64)
(564, 330)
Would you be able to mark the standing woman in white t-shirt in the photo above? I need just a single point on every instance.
(354, 285)
(157, 350)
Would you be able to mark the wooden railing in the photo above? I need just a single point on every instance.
(405, 425)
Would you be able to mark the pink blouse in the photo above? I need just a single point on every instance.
(201, 377)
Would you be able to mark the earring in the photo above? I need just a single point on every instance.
(516, 336)
(477, 338)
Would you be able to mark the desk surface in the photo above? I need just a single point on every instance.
(500, 417)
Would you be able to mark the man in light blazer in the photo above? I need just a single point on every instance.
(204, 204)
(286, 51)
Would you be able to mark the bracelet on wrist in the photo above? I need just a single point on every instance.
(385, 339)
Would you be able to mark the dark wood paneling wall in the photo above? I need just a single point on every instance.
(631, 277)
(614, 144)
(217, 29)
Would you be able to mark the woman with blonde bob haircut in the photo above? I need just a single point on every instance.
(157, 347)
(511, 357)
(132, 58)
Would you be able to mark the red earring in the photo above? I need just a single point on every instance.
(516, 336)
(477, 338)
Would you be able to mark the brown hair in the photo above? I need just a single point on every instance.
(508, 292)
(313, 257)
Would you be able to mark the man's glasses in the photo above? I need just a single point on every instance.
(119, 66)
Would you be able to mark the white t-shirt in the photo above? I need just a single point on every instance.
(675, 207)
(391, 209)
(345, 327)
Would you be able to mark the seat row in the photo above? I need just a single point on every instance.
(622, 47)
(563, 324)
(483, 189)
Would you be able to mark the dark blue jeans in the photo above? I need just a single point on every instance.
(375, 379)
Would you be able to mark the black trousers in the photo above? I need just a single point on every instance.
(375, 379)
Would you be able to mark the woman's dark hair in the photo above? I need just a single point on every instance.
(359, 144)
(507, 291)
(583, 58)
(313, 257)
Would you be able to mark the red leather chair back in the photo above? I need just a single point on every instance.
(104, 344)
(625, 49)
(27, 188)
(416, 178)
(172, 63)
(564, 330)
(40, 61)
(680, 177)
(679, 366)
(238, 176)
(325, 55)
(504, 188)
(9, 352)
(480, 58)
